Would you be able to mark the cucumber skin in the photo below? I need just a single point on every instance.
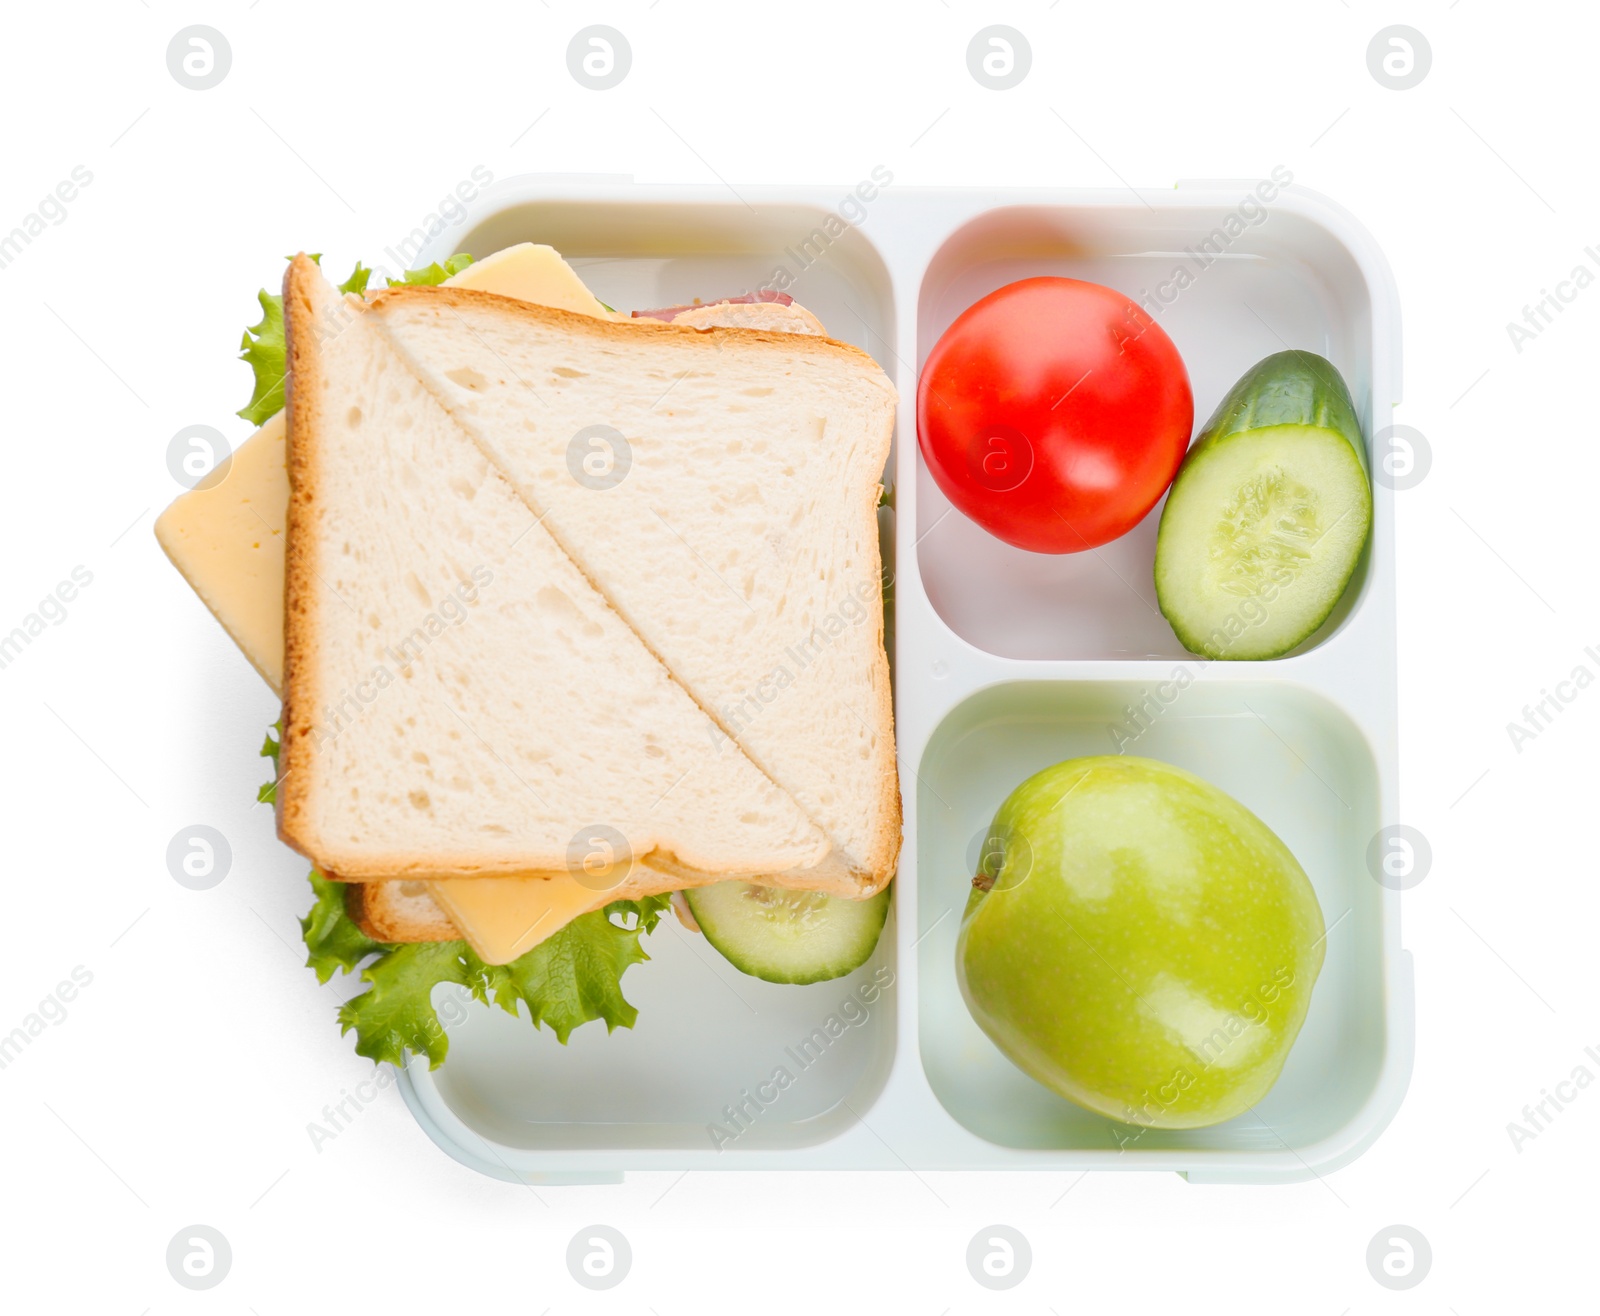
(1287, 388)
(799, 977)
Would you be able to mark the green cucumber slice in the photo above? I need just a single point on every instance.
(788, 936)
(1268, 516)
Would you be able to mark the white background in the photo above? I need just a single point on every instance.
(179, 1086)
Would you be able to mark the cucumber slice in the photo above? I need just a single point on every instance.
(1268, 516)
(788, 936)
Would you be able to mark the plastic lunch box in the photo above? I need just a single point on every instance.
(1005, 662)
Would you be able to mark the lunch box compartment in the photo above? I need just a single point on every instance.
(642, 255)
(1289, 755)
(717, 1060)
(1284, 281)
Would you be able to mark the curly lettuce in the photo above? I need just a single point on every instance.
(268, 793)
(263, 348)
(569, 979)
(431, 275)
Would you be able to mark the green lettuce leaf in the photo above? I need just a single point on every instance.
(567, 980)
(572, 977)
(333, 939)
(357, 282)
(268, 794)
(395, 1014)
(564, 982)
(434, 274)
(263, 347)
(647, 911)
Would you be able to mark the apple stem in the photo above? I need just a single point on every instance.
(983, 882)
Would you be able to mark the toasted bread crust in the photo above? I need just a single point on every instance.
(302, 694)
(385, 913)
(884, 857)
(576, 324)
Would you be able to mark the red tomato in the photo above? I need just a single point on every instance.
(1054, 413)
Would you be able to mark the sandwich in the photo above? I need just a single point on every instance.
(577, 617)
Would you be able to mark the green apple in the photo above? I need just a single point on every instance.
(1140, 942)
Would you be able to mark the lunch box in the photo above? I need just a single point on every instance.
(1004, 663)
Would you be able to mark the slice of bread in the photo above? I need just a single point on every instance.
(781, 319)
(460, 701)
(745, 466)
(406, 911)
(398, 912)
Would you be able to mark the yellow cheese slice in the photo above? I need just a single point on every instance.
(532, 273)
(228, 542)
(504, 917)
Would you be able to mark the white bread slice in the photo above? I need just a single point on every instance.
(398, 912)
(750, 563)
(406, 911)
(459, 700)
(790, 319)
